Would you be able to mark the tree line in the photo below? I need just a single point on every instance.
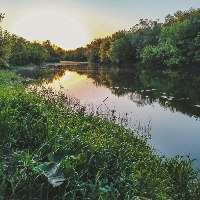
(17, 51)
(172, 43)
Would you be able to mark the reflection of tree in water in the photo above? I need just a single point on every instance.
(35, 72)
(45, 75)
(139, 100)
(174, 90)
(58, 73)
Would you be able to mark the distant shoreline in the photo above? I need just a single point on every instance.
(72, 63)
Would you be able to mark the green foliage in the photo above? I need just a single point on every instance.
(92, 52)
(163, 54)
(118, 35)
(172, 43)
(148, 54)
(49, 151)
(104, 47)
(120, 50)
(143, 38)
(144, 24)
(17, 51)
(181, 16)
(5, 48)
(178, 42)
(55, 54)
(24, 52)
(78, 55)
(7, 77)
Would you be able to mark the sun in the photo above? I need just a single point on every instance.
(62, 30)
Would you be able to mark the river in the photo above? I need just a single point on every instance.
(163, 105)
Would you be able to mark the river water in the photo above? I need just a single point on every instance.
(164, 105)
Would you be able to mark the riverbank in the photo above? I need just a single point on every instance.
(49, 151)
(72, 63)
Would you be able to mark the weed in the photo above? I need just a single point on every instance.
(51, 149)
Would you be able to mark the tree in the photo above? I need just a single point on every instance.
(120, 50)
(69, 55)
(38, 54)
(118, 35)
(5, 48)
(1, 16)
(92, 52)
(143, 25)
(172, 47)
(143, 38)
(60, 53)
(104, 47)
(79, 54)
(19, 51)
(53, 55)
(24, 52)
(169, 19)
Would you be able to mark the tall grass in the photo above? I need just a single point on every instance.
(50, 151)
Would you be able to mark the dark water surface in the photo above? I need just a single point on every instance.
(164, 105)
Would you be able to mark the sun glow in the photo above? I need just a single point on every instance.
(62, 30)
(68, 75)
(69, 80)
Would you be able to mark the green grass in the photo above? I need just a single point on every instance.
(49, 151)
(7, 77)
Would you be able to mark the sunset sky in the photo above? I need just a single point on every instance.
(74, 23)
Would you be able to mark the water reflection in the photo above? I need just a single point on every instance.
(176, 91)
(164, 104)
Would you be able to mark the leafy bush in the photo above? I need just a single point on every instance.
(50, 150)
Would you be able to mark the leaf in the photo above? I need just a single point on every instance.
(103, 190)
(57, 180)
(53, 173)
(144, 170)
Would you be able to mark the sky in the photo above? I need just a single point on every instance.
(70, 24)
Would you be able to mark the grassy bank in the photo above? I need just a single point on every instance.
(48, 151)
